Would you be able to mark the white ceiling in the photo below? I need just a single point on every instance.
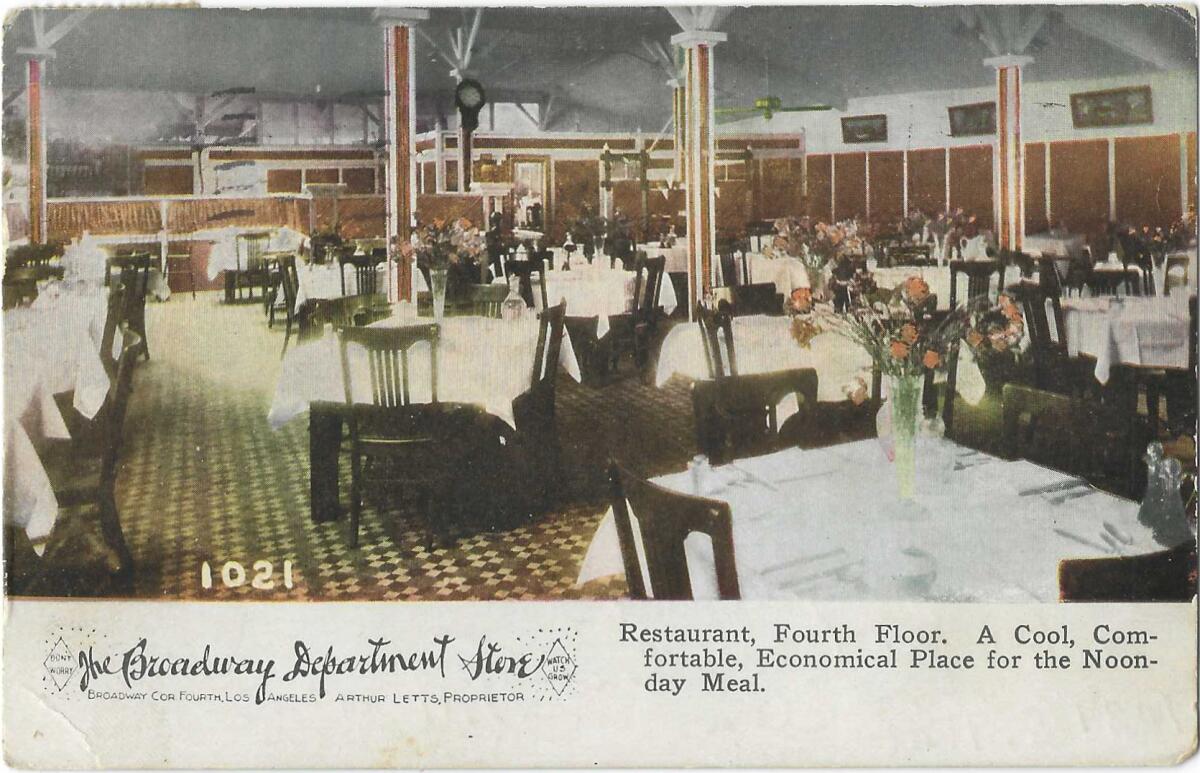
(594, 60)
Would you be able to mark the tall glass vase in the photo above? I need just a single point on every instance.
(437, 289)
(905, 397)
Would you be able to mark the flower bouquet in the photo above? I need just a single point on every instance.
(904, 338)
(440, 244)
(995, 335)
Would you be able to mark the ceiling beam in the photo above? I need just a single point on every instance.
(1109, 28)
(58, 31)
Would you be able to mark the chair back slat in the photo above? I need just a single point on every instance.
(524, 271)
(647, 285)
(979, 278)
(387, 353)
(665, 519)
(715, 326)
(487, 300)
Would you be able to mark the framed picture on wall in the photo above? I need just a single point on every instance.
(973, 120)
(864, 128)
(1113, 107)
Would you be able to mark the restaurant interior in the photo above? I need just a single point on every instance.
(487, 303)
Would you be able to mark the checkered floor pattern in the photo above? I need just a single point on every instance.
(205, 479)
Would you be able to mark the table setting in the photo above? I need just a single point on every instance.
(597, 291)
(481, 361)
(826, 524)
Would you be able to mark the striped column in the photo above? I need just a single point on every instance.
(400, 122)
(699, 156)
(1010, 174)
(679, 113)
(35, 132)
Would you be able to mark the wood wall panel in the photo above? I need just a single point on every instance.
(927, 180)
(780, 191)
(68, 220)
(820, 187)
(429, 177)
(849, 186)
(432, 206)
(576, 186)
(202, 214)
(1035, 188)
(359, 180)
(732, 207)
(887, 186)
(1079, 185)
(284, 181)
(363, 217)
(323, 176)
(971, 182)
(167, 180)
(1147, 180)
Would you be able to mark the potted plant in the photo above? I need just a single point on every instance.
(440, 244)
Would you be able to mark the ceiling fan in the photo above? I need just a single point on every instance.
(766, 107)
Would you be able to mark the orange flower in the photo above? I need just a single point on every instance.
(974, 338)
(1012, 313)
(999, 343)
(932, 359)
(908, 333)
(464, 223)
(899, 349)
(439, 223)
(916, 288)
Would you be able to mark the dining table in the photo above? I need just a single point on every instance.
(828, 524)
(764, 344)
(786, 273)
(598, 291)
(326, 280)
(481, 361)
(51, 346)
(1137, 331)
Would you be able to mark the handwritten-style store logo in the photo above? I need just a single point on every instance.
(541, 666)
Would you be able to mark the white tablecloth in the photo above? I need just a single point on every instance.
(485, 362)
(53, 346)
(1141, 331)
(786, 273)
(764, 345)
(1046, 244)
(325, 281)
(224, 253)
(677, 256)
(826, 524)
(598, 291)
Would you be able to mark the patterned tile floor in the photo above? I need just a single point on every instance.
(206, 479)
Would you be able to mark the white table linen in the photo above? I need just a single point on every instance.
(1140, 331)
(598, 291)
(785, 273)
(677, 256)
(50, 347)
(826, 524)
(481, 361)
(325, 281)
(223, 256)
(764, 344)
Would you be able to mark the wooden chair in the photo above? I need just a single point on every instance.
(750, 299)
(716, 328)
(535, 410)
(1166, 575)
(391, 426)
(979, 278)
(524, 270)
(366, 273)
(134, 273)
(1052, 366)
(1074, 436)
(20, 286)
(180, 264)
(81, 480)
(486, 300)
(664, 521)
(289, 282)
(85, 431)
(736, 416)
(632, 333)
